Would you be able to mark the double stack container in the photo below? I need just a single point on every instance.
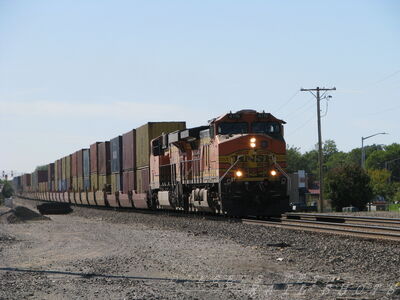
(68, 173)
(50, 177)
(94, 171)
(116, 164)
(144, 135)
(26, 182)
(60, 171)
(86, 169)
(104, 167)
(63, 174)
(74, 171)
(128, 161)
(83, 167)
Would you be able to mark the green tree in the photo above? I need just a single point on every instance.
(386, 157)
(329, 148)
(295, 160)
(348, 185)
(336, 160)
(380, 183)
(7, 189)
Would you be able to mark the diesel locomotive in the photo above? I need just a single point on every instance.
(233, 166)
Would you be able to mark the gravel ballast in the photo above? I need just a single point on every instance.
(96, 253)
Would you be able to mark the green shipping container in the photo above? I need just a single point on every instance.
(94, 182)
(80, 183)
(149, 131)
(116, 182)
(75, 184)
(104, 182)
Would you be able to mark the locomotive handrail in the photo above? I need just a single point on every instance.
(227, 171)
(273, 157)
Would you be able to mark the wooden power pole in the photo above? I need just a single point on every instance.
(317, 95)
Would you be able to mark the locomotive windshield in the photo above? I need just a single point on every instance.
(233, 128)
(266, 127)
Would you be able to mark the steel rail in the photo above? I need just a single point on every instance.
(374, 232)
(378, 221)
(349, 217)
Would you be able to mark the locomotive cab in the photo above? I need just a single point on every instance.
(251, 161)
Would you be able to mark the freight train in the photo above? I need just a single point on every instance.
(235, 166)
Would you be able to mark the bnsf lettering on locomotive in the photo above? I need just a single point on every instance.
(251, 158)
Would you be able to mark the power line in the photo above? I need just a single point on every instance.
(301, 108)
(301, 126)
(287, 102)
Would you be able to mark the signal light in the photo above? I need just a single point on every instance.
(252, 140)
(252, 145)
(273, 173)
(239, 173)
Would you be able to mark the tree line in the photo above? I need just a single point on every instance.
(346, 183)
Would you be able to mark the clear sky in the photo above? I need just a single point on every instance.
(76, 72)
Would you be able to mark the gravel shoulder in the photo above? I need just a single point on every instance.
(106, 254)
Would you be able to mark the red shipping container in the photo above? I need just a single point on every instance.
(128, 181)
(42, 176)
(129, 150)
(104, 158)
(94, 157)
(143, 180)
(79, 164)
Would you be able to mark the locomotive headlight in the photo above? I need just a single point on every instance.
(253, 142)
(273, 173)
(239, 173)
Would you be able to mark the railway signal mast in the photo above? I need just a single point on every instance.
(317, 95)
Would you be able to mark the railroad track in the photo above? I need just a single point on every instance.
(364, 227)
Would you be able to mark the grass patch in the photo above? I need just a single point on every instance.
(394, 207)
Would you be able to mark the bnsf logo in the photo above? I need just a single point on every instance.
(252, 158)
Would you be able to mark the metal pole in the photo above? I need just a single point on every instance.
(362, 153)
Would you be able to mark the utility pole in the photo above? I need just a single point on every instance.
(317, 95)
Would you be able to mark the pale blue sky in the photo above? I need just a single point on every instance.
(76, 72)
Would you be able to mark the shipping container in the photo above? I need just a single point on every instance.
(55, 175)
(79, 163)
(142, 180)
(50, 175)
(86, 183)
(116, 182)
(75, 184)
(59, 172)
(74, 164)
(149, 131)
(128, 181)
(129, 150)
(64, 168)
(68, 167)
(94, 157)
(80, 183)
(105, 183)
(94, 182)
(104, 158)
(116, 154)
(86, 163)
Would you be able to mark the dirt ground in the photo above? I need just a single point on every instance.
(96, 254)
